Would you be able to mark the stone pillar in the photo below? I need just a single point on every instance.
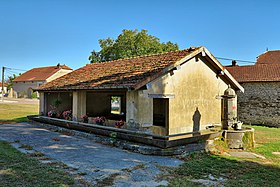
(131, 110)
(131, 103)
(79, 104)
(42, 107)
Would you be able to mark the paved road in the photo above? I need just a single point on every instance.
(96, 160)
(19, 101)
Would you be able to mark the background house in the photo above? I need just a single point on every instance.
(24, 84)
(260, 102)
(173, 93)
(5, 88)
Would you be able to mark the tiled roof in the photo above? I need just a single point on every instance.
(269, 57)
(123, 73)
(40, 74)
(255, 73)
(5, 85)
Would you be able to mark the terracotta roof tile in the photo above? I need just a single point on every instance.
(269, 57)
(5, 85)
(255, 73)
(40, 74)
(123, 73)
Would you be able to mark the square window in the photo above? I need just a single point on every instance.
(116, 105)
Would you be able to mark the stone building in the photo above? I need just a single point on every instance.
(173, 93)
(260, 102)
(24, 84)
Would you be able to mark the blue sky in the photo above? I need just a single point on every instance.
(46, 32)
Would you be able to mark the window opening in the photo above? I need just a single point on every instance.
(115, 104)
(160, 112)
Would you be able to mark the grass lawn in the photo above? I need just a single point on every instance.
(231, 171)
(268, 142)
(16, 112)
(18, 169)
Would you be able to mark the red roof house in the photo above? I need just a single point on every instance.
(5, 88)
(24, 84)
(260, 102)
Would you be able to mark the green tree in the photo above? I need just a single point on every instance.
(9, 81)
(130, 43)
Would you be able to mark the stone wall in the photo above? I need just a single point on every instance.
(260, 104)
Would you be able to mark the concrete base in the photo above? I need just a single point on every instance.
(150, 144)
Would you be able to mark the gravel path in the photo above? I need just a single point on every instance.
(95, 161)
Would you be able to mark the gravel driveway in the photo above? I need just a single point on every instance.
(96, 161)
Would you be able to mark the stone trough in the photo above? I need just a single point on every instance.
(240, 139)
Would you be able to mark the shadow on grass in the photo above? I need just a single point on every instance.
(225, 171)
(15, 120)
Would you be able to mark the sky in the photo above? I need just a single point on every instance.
(37, 33)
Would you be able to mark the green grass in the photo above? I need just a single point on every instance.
(17, 169)
(236, 171)
(266, 134)
(267, 142)
(10, 113)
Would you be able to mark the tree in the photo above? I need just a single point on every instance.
(9, 81)
(130, 43)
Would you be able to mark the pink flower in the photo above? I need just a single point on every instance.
(99, 120)
(119, 124)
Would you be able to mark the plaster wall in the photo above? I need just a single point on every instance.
(58, 74)
(260, 103)
(5, 89)
(132, 106)
(140, 107)
(42, 106)
(79, 104)
(193, 104)
(21, 88)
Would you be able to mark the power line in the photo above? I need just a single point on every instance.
(11, 72)
(15, 69)
(246, 61)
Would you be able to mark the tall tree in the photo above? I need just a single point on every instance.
(130, 43)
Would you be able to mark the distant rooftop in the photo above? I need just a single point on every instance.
(255, 73)
(41, 73)
(267, 68)
(269, 57)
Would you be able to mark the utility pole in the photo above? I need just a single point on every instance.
(3, 70)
